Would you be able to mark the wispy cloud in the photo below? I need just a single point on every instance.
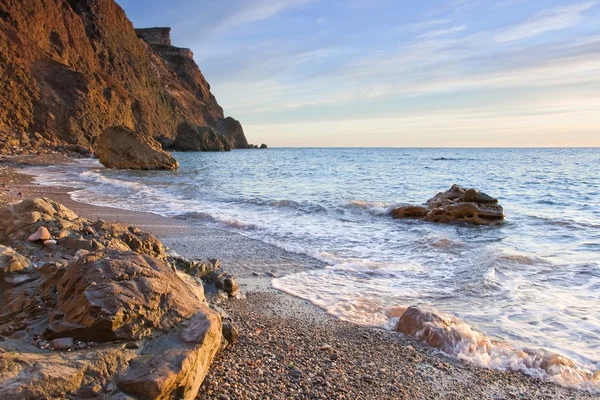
(444, 32)
(547, 20)
(258, 10)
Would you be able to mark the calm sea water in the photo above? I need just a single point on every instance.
(534, 282)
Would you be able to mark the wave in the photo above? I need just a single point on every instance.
(373, 207)
(304, 206)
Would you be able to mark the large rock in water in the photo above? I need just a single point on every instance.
(455, 206)
(121, 288)
(199, 138)
(120, 147)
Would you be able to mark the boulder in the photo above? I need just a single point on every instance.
(112, 295)
(263, 146)
(121, 147)
(175, 365)
(199, 138)
(457, 205)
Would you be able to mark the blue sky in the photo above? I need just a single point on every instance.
(396, 72)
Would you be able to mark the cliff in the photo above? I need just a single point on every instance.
(71, 68)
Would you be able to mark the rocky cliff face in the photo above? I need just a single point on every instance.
(69, 69)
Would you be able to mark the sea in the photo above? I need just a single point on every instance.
(533, 282)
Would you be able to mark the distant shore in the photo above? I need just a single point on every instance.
(289, 348)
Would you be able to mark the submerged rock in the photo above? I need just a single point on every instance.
(121, 147)
(457, 205)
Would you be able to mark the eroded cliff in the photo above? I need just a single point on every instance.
(71, 68)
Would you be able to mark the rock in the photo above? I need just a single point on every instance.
(441, 331)
(230, 331)
(80, 244)
(17, 219)
(224, 282)
(263, 146)
(89, 230)
(457, 205)
(296, 373)
(409, 212)
(199, 138)
(42, 233)
(233, 131)
(62, 343)
(11, 261)
(124, 299)
(176, 368)
(135, 295)
(50, 243)
(121, 147)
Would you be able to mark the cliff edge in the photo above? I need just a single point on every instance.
(69, 69)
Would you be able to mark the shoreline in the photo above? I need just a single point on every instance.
(288, 347)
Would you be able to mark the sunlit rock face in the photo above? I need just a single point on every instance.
(457, 205)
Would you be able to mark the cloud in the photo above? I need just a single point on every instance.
(547, 20)
(444, 32)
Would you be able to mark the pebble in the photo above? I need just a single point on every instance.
(50, 243)
(296, 373)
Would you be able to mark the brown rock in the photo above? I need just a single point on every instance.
(177, 366)
(11, 261)
(42, 233)
(443, 332)
(456, 205)
(409, 212)
(72, 69)
(16, 220)
(120, 147)
(133, 295)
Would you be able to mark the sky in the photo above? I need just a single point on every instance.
(396, 73)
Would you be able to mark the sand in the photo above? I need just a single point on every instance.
(289, 348)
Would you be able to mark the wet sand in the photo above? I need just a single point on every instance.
(289, 348)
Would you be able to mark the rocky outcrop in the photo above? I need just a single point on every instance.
(199, 138)
(104, 313)
(233, 131)
(120, 147)
(71, 68)
(160, 36)
(457, 205)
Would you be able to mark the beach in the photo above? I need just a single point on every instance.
(289, 348)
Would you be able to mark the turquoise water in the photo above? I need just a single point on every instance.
(534, 282)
